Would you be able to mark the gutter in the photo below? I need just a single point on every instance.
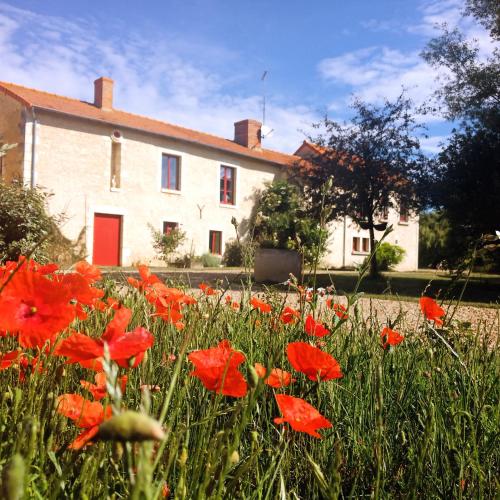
(33, 149)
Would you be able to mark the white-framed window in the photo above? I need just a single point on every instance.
(360, 245)
(170, 172)
(215, 242)
(227, 185)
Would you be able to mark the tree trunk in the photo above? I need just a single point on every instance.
(373, 261)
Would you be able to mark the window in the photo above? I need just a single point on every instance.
(116, 163)
(366, 245)
(168, 227)
(215, 242)
(227, 181)
(360, 245)
(170, 172)
(403, 213)
(384, 213)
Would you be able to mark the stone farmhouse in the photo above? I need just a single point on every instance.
(112, 173)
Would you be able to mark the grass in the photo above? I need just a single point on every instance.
(414, 421)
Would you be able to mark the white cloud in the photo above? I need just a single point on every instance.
(433, 144)
(375, 73)
(161, 77)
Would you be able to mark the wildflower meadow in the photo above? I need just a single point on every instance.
(145, 389)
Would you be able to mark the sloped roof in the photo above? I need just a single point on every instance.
(33, 98)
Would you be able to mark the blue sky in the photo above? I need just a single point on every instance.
(198, 63)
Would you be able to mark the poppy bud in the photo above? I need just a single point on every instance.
(183, 457)
(235, 457)
(253, 379)
(13, 479)
(131, 426)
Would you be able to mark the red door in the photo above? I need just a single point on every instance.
(107, 239)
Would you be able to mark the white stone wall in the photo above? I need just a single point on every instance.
(74, 161)
(340, 249)
(12, 124)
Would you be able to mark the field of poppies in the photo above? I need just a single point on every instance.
(143, 390)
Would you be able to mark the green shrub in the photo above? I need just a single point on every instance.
(165, 244)
(233, 254)
(211, 260)
(389, 256)
(25, 225)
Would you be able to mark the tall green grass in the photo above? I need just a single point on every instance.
(415, 421)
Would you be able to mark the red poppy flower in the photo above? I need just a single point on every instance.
(338, 309)
(314, 328)
(147, 279)
(98, 390)
(301, 416)
(126, 348)
(35, 307)
(7, 359)
(313, 362)
(217, 368)
(431, 310)
(206, 289)
(260, 305)
(90, 272)
(277, 378)
(391, 337)
(86, 414)
(289, 315)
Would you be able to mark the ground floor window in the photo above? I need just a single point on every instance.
(215, 242)
(360, 244)
(168, 227)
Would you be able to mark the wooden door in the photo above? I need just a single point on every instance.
(107, 240)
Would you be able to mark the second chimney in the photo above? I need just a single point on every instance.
(248, 133)
(103, 93)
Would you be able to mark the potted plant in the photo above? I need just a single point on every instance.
(285, 235)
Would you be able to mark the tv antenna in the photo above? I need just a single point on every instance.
(265, 130)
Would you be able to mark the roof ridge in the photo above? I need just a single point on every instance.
(163, 122)
(48, 93)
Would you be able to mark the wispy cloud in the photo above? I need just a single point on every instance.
(160, 77)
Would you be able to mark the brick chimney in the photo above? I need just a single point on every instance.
(248, 134)
(103, 93)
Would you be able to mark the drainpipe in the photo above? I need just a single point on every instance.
(343, 244)
(33, 149)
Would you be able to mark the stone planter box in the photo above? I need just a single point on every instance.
(275, 265)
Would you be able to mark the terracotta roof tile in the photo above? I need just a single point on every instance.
(52, 102)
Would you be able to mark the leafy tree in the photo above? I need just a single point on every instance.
(434, 236)
(281, 221)
(467, 176)
(374, 163)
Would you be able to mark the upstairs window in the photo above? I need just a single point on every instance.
(170, 172)
(215, 242)
(403, 213)
(227, 183)
(168, 227)
(384, 214)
